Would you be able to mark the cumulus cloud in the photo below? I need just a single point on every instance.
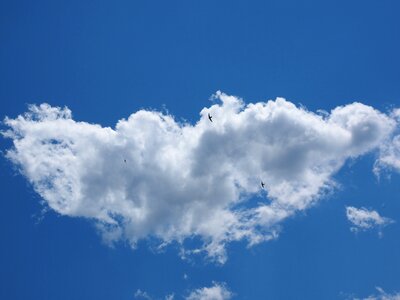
(382, 295)
(363, 219)
(152, 176)
(215, 292)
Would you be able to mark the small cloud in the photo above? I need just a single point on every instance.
(363, 219)
(216, 292)
(389, 156)
(139, 294)
(381, 295)
(389, 150)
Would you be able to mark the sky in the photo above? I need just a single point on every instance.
(116, 185)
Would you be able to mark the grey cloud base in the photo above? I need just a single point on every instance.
(182, 180)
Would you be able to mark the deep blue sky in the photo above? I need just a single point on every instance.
(105, 60)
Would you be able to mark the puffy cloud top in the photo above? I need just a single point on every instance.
(152, 176)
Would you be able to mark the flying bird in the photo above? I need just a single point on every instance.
(210, 117)
(124, 160)
(262, 184)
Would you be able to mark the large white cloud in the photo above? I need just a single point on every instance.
(182, 180)
(363, 219)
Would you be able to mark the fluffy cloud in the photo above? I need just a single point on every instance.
(382, 295)
(215, 292)
(364, 219)
(152, 176)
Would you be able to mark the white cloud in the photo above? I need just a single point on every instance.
(215, 292)
(389, 156)
(382, 295)
(364, 219)
(139, 294)
(170, 297)
(182, 180)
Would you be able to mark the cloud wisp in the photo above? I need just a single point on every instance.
(389, 157)
(381, 295)
(363, 219)
(217, 291)
(139, 294)
(152, 176)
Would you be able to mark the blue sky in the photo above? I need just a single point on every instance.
(107, 61)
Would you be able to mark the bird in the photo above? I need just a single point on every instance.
(124, 160)
(262, 184)
(210, 117)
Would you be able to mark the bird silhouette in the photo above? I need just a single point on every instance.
(210, 117)
(262, 184)
(124, 160)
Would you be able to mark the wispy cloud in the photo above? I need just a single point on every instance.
(381, 295)
(152, 176)
(389, 156)
(216, 292)
(139, 294)
(364, 219)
